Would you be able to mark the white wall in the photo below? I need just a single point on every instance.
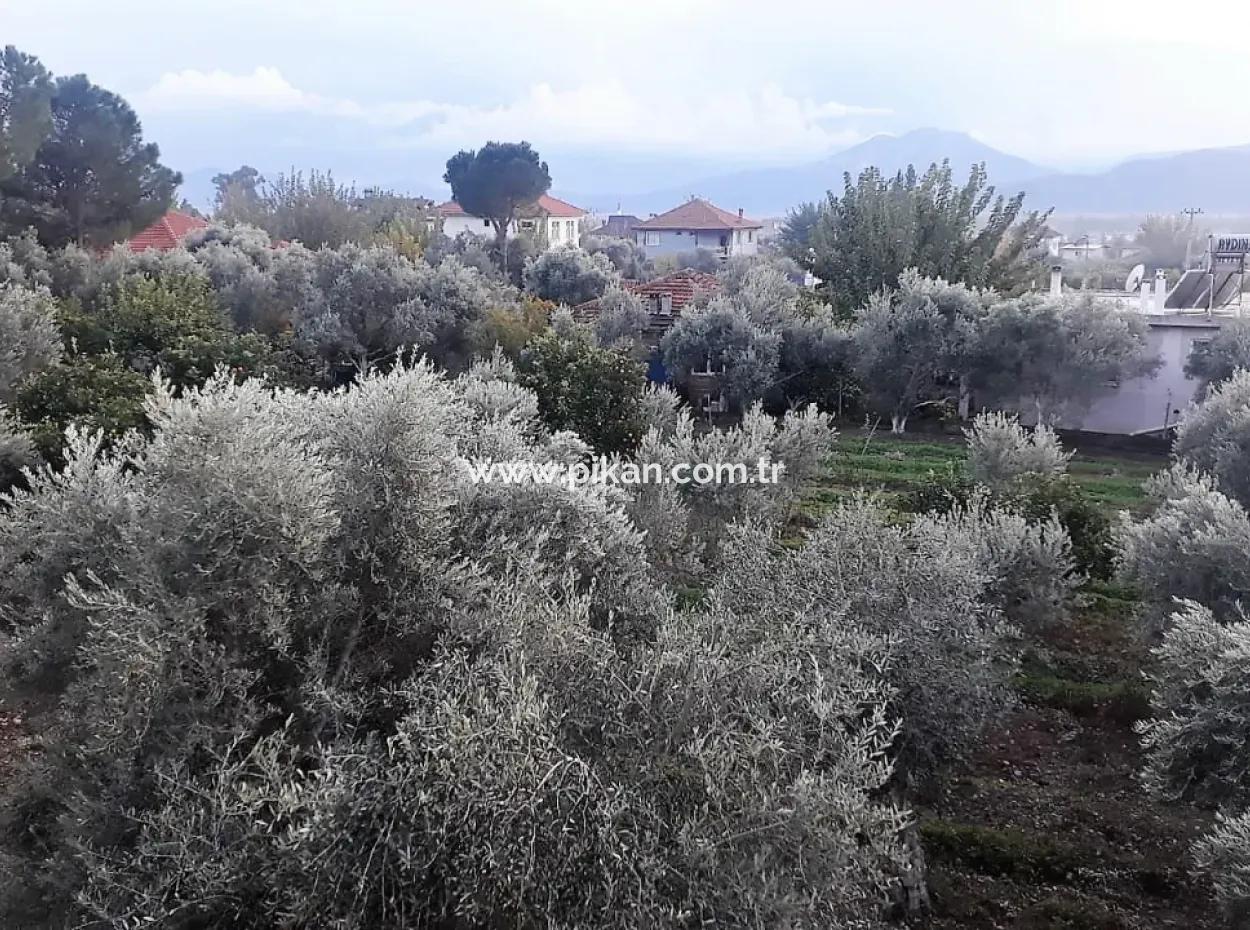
(1144, 404)
(658, 242)
(559, 230)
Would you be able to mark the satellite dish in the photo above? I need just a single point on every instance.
(1133, 282)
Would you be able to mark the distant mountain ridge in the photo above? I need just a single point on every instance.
(1217, 180)
(773, 191)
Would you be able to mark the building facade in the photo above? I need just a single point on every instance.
(549, 220)
(697, 224)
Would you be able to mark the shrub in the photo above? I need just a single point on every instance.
(622, 317)
(569, 275)
(29, 339)
(1089, 529)
(89, 392)
(1001, 452)
(1193, 546)
(950, 659)
(1028, 564)
(1216, 361)
(1225, 853)
(1214, 436)
(685, 522)
(1201, 698)
(311, 675)
(593, 391)
(16, 450)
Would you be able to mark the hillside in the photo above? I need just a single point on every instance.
(773, 191)
(1218, 180)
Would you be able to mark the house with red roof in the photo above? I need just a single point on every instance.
(697, 224)
(166, 233)
(548, 219)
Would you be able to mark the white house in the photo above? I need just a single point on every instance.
(548, 219)
(697, 224)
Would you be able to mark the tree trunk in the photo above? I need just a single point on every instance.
(898, 423)
(915, 880)
(501, 242)
(965, 398)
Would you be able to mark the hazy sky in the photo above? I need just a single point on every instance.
(701, 82)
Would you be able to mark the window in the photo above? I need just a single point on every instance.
(650, 237)
(750, 235)
(568, 229)
(555, 232)
(486, 223)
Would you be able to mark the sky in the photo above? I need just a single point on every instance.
(642, 92)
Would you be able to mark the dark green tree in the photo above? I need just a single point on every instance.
(861, 241)
(92, 179)
(496, 180)
(25, 109)
(595, 392)
(237, 197)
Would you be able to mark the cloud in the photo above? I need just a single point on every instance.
(762, 122)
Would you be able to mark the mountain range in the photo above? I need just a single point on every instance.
(1218, 180)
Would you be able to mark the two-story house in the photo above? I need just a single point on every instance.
(549, 220)
(697, 224)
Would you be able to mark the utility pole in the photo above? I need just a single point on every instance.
(1190, 212)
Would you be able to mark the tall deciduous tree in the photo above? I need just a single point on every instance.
(25, 108)
(1167, 241)
(92, 178)
(496, 180)
(861, 241)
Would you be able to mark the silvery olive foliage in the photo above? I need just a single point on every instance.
(306, 672)
(721, 338)
(1195, 745)
(1214, 436)
(16, 449)
(1001, 451)
(926, 593)
(684, 521)
(569, 275)
(621, 317)
(1193, 545)
(29, 338)
(1225, 853)
(1031, 574)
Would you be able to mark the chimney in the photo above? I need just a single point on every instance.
(1056, 280)
(1146, 302)
(1161, 290)
(739, 213)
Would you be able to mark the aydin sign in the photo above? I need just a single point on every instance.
(1230, 245)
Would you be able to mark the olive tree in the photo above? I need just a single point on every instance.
(910, 343)
(569, 275)
(308, 670)
(721, 339)
(1001, 452)
(1214, 436)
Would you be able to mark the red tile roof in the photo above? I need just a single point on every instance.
(552, 206)
(699, 214)
(683, 286)
(166, 233)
